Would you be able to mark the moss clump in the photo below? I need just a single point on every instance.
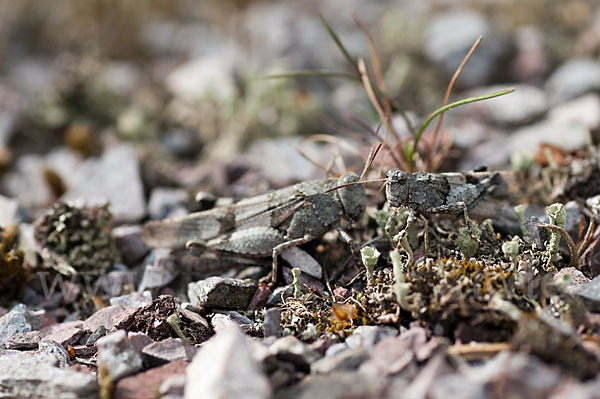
(13, 272)
(77, 240)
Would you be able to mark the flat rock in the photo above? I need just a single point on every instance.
(132, 301)
(272, 323)
(147, 384)
(118, 355)
(28, 340)
(66, 333)
(168, 350)
(103, 317)
(224, 368)
(296, 257)
(336, 386)
(139, 340)
(36, 375)
(114, 178)
(223, 293)
(349, 359)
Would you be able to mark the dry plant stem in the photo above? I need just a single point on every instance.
(572, 247)
(448, 92)
(587, 239)
(378, 74)
(369, 89)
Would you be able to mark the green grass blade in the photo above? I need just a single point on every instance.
(339, 43)
(445, 108)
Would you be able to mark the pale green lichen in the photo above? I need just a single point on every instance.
(511, 250)
(558, 217)
(296, 282)
(369, 256)
(468, 241)
(520, 211)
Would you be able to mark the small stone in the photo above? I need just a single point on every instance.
(571, 279)
(34, 374)
(103, 317)
(224, 368)
(167, 202)
(18, 321)
(22, 341)
(130, 243)
(132, 301)
(337, 385)
(220, 321)
(590, 293)
(279, 294)
(161, 271)
(260, 297)
(149, 383)
(272, 323)
(166, 351)
(349, 359)
(224, 293)
(367, 336)
(572, 79)
(139, 340)
(98, 333)
(118, 356)
(183, 144)
(113, 178)
(293, 349)
(296, 257)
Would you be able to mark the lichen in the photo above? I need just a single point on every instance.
(77, 239)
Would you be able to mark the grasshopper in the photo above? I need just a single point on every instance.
(430, 193)
(265, 225)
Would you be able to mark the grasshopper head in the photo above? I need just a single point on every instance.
(352, 197)
(396, 187)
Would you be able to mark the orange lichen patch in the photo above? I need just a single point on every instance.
(343, 315)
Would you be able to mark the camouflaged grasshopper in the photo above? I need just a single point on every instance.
(434, 193)
(265, 225)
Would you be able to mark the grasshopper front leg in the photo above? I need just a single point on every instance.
(282, 247)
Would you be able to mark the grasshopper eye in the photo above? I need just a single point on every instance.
(396, 177)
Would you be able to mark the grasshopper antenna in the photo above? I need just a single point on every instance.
(354, 184)
(372, 155)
